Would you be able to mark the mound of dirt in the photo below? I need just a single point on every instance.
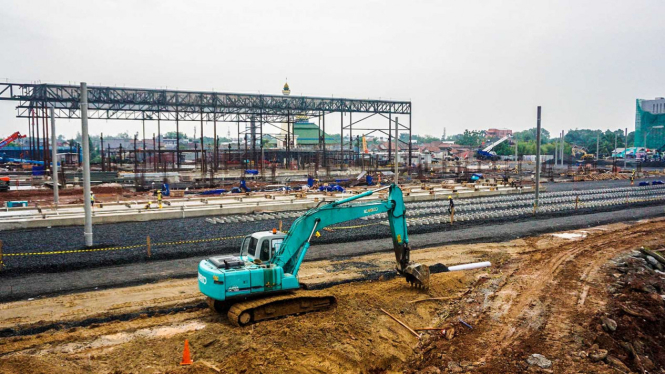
(632, 332)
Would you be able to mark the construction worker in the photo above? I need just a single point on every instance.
(92, 199)
(451, 208)
(632, 178)
(159, 198)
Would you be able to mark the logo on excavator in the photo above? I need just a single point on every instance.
(202, 279)
(370, 210)
(399, 239)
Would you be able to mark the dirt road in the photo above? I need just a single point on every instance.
(543, 295)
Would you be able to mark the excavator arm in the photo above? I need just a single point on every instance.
(294, 248)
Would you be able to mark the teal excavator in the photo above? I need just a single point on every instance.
(259, 284)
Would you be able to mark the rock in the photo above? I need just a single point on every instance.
(450, 333)
(598, 355)
(430, 370)
(608, 324)
(653, 262)
(454, 367)
(209, 342)
(656, 256)
(539, 360)
(617, 364)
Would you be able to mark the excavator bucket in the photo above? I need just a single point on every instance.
(417, 275)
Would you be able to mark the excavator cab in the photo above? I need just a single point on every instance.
(262, 245)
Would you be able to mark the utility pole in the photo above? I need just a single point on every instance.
(516, 156)
(625, 149)
(396, 151)
(562, 146)
(145, 160)
(101, 149)
(87, 208)
(597, 146)
(614, 159)
(537, 160)
(159, 140)
(54, 156)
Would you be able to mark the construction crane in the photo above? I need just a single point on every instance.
(487, 153)
(5, 142)
(268, 264)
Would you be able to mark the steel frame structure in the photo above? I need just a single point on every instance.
(119, 103)
(132, 103)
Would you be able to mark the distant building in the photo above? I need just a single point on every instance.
(170, 143)
(307, 135)
(650, 120)
(498, 133)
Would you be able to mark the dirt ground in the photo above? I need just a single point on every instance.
(547, 295)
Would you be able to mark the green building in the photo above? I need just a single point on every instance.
(307, 134)
(650, 121)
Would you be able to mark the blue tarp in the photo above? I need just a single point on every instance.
(37, 170)
(166, 189)
(332, 188)
(218, 191)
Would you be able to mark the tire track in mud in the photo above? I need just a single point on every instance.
(537, 292)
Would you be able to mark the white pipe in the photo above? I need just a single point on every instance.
(475, 265)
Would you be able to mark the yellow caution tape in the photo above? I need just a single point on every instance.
(119, 248)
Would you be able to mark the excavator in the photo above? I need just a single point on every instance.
(578, 150)
(259, 284)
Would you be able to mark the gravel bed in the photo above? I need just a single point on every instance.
(199, 230)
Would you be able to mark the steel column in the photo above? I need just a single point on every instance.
(54, 156)
(87, 206)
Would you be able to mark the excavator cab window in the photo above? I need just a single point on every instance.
(249, 243)
(264, 254)
(276, 243)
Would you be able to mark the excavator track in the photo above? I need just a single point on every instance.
(246, 312)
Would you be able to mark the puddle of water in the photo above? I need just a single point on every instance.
(571, 235)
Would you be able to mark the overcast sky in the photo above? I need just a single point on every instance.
(463, 64)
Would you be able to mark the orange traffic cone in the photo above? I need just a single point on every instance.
(186, 358)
